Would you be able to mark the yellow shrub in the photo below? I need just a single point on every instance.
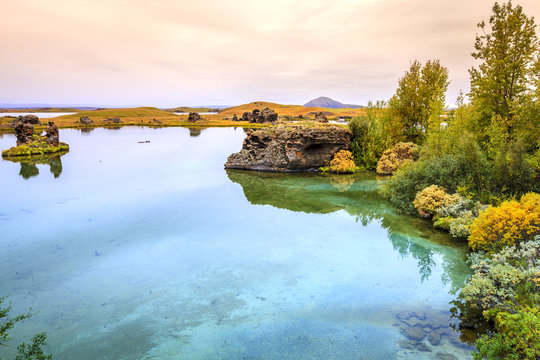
(431, 199)
(342, 162)
(506, 224)
(396, 156)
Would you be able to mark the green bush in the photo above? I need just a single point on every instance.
(504, 281)
(518, 337)
(402, 188)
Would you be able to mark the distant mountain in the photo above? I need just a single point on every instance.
(326, 102)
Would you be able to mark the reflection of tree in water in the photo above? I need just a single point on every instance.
(358, 195)
(196, 131)
(29, 164)
(341, 182)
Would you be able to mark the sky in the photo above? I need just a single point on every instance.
(169, 53)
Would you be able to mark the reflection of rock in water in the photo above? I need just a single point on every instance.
(196, 131)
(86, 130)
(358, 195)
(29, 168)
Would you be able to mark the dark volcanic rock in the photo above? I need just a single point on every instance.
(29, 119)
(26, 119)
(85, 120)
(193, 117)
(289, 148)
(260, 116)
(24, 132)
(235, 118)
(51, 133)
(114, 120)
(321, 117)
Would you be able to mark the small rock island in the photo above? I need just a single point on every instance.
(290, 148)
(29, 143)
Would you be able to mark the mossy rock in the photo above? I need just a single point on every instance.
(35, 148)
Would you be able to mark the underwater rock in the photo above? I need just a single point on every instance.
(445, 356)
(414, 333)
(286, 149)
(52, 135)
(193, 117)
(407, 344)
(85, 120)
(434, 338)
(423, 347)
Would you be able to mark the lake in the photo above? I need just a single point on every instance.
(44, 115)
(152, 250)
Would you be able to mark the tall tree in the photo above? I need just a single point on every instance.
(506, 49)
(420, 96)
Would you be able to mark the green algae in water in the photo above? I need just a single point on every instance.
(155, 251)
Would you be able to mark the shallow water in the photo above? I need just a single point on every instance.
(152, 250)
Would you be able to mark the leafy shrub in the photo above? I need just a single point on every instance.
(457, 215)
(431, 199)
(394, 157)
(401, 189)
(505, 280)
(506, 224)
(518, 337)
(459, 228)
(342, 163)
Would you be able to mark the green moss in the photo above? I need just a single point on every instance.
(38, 147)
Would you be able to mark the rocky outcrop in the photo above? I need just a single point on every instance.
(235, 118)
(30, 144)
(289, 149)
(193, 117)
(260, 116)
(113, 120)
(85, 120)
(321, 117)
(52, 135)
(27, 119)
(24, 133)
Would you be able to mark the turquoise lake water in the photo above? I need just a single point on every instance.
(129, 250)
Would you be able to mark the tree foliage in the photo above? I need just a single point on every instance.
(373, 133)
(420, 95)
(397, 156)
(32, 351)
(508, 51)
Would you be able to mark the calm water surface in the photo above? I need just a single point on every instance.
(132, 250)
(44, 115)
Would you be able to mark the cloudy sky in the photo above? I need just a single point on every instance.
(212, 52)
